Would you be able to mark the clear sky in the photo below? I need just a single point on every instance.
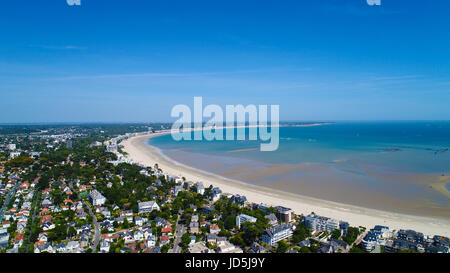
(132, 60)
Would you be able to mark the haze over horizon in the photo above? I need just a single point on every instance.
(132, 61)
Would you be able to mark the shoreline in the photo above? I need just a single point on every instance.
(141, 152)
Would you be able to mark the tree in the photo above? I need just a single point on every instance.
(300, 233)
(352, 234)
(251, 232)
(125, 223)
(185, 240)
(336, 234)
(282, 247)
(229, 222)
(305, 249)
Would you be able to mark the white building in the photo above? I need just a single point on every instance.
(11, 147)
(14, 154)
(200, 188)
(277, 233)
(96, 198)
(242, 218)
(227, 247)
(320, 223)
(149, 206)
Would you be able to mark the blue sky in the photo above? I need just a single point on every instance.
(133, 60)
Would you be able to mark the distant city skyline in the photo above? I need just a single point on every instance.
(132, 61)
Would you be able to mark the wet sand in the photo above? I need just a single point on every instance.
(280, 194)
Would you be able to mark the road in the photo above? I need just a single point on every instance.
(97, 227)
(97, 232)
(36, 208)
(180, 230)
(7, 199)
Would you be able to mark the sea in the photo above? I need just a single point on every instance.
(388, 165)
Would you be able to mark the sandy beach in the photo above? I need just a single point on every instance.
(139, 151)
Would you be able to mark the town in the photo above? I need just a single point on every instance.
(71, 189)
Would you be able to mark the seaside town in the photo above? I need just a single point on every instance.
(72, 189)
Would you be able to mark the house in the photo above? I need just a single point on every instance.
(167, 230)
(199, 247)
(239, 200)
(193, 239)
(61, 248)
(151, 241)
(327, 248)
(200, 188)
(273, 221)
(149, 206)
(138, 235)
(139, 221)
(257, 248)
(164, 239)
(96, 198)
(194, 227)
(147, 231)
(338, 244)
(303, 243)
(43, 236)
(216, 193)
(242, 218)
(277, 233)
(214, 229)
(227, 247)
(211, 238)
(48, 226)
(44, 247)
(104, 246)
(73, 246)
(177, 189)
(18, 240)
(343, 227)
(109, 237)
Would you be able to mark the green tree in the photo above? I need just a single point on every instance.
(185, 240)
(336, 234)
(282, 247)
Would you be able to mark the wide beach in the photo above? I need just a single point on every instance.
(141, 152)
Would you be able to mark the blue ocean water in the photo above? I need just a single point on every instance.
(420, 146)
(384, 165)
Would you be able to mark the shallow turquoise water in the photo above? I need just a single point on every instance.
(419, 146)
(372, 164)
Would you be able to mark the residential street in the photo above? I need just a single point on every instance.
(180, 230)
(97, 232)
(97, 227)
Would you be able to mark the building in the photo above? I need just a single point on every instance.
(242, 218)
(370, 240)
(200, 188)
(199, 247)
(272, 219)
(411, 236)
(277, 233)
(321, 223)
(239, 200)
(11, 147)
(14, 154)
(148, 206)
(227, 247)
(96, 198)
(285, 214)
(343, 226)
(4, 237)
